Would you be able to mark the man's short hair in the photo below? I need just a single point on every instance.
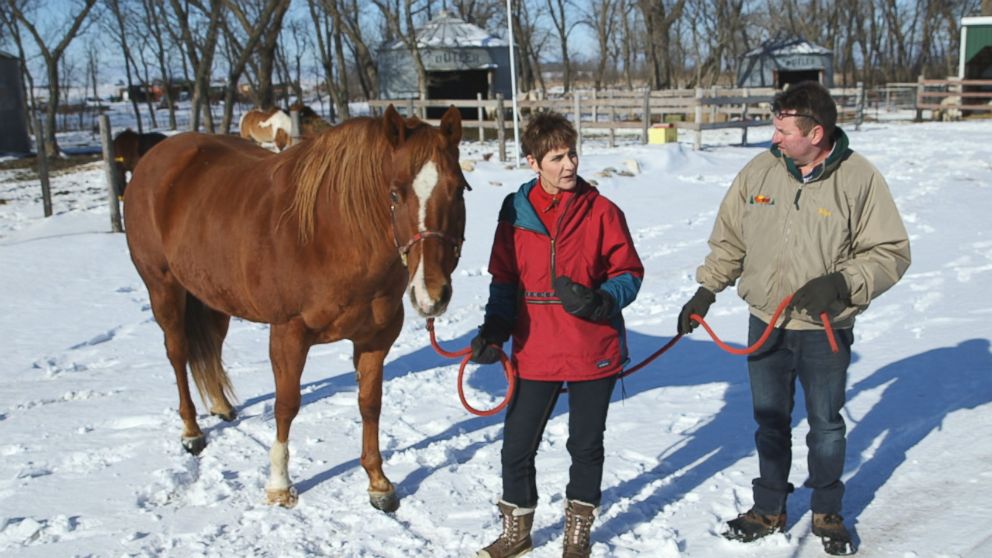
(811, 103)
(546, 131)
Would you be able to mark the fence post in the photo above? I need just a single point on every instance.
(859, 107)
(746, 93)
(646, 118)
(595, 107)
(698, 123)
(919, 99)
(501, 127)
(613, 132)
(41, 146)
(713, 107)
(111, 173)
(578, 122)
(409, 107)
(294, 127)
(479, 113)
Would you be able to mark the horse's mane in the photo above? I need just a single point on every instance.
(347, 162)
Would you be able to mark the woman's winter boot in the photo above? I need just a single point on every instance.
(578, 526)
(515, 539)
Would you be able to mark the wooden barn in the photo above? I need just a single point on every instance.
(13, 110)
(462, 60)
(784, 60)
(975, 61)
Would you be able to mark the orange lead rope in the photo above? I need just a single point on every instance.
(511, 373)
(466, 354)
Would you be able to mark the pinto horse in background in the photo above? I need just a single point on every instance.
(129, 147)
(272, 126)
(321, 241)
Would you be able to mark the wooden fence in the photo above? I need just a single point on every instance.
(629, 113)
(945, 95)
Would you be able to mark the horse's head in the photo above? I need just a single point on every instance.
(426, 197)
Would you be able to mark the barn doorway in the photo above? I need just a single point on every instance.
(463, 84)
(788, 77)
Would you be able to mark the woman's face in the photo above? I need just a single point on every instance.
(558, 169)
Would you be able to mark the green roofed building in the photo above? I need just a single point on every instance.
(976, 48)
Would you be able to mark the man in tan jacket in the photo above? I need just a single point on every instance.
(811, 218)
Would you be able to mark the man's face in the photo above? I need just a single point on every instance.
(791, 141)
(559, 169)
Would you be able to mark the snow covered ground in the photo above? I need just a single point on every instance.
(89, 433)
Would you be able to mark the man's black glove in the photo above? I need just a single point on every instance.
(486, 344)
(819, 294)
(698, 304)
(583, 302)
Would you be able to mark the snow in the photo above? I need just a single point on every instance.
(89, 431)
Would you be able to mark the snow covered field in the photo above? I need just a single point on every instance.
(89, 432)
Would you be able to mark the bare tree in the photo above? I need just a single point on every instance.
(52, 57)
(8, 22)
(557, 10)
(200, 52)
(256, 26)
(601, 17)
(120, 35)
(659, 17)
(328, 24)
(351, 25)
(398, 16)
(529, 41)
(154, 12)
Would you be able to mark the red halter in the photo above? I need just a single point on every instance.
(421, 235)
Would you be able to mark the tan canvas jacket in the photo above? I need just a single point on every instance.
(774, 233)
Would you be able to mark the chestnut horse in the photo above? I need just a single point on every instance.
(129, 146)
(272, 126)
(321, 241)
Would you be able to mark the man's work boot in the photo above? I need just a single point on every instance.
(515, 539)
(752, 525)
(830, 528)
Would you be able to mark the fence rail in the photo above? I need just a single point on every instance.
(693, 110)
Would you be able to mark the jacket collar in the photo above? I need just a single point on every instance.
(840, 151)
(525, 215)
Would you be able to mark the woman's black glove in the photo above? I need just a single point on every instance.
(819, 294)
(698, 304)
(583, 302)
(486, 344)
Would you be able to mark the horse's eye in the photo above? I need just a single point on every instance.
(394, 196)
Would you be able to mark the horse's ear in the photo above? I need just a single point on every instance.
(394, 126)
(451, 125)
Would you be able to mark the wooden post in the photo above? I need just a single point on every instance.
(578, 122)
(713, 107)
(698, 122)
(746, 93)
(595, 107)
(41, 146)
(919, 99)
(501, 127)
(294, 127)
(111, 173)
(613, 132)
(409, 107)
(646, 118)
(482, 133)
(859, 107)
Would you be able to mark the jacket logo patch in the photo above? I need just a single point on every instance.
(824, 212)
(603, 363)
(762, 200)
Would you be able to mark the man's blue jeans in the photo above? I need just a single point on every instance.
(773, 370)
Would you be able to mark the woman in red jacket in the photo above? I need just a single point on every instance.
(563, 266)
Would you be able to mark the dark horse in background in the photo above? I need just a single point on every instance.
(129, 147)
(321, 241)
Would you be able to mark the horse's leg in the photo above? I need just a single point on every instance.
(288, 347)
(368, 364)
(168, 302)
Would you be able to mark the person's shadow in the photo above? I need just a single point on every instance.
(919, 393)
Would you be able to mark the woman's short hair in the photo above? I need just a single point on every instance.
(546, 131)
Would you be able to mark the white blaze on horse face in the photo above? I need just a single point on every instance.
(423, 186)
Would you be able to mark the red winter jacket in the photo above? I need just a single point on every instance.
(592, 247)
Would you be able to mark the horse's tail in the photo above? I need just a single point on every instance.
(205, 338)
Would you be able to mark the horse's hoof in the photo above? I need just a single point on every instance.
(194, 444)
(225, 416)
(385, 501)
(285, 497)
